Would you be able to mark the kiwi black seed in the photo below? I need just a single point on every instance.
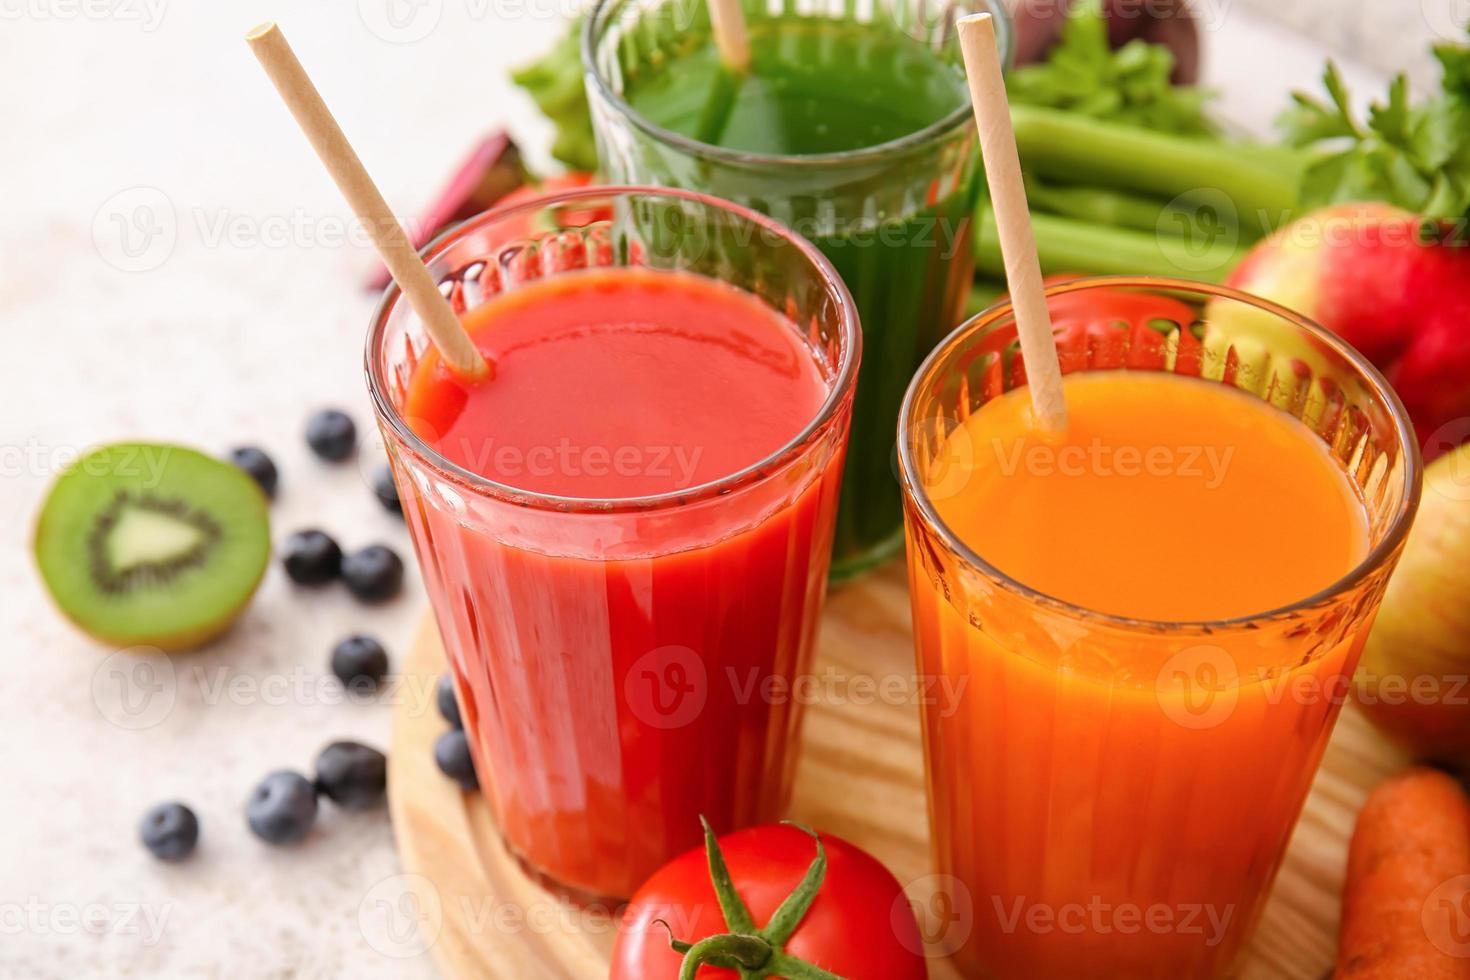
(154, 545)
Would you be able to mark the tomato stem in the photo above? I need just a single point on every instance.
(756, 954)
(791, 968)
(732, 906)
(794, 908)
(745, 953)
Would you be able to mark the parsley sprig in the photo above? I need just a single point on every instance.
(1414, 156)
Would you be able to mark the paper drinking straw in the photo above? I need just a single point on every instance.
(1013, 220)
(731, 37)
(363, 196)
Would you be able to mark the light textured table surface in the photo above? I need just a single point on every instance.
(172, 268)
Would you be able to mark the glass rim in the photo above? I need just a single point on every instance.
(919, 138)
(842, 383)
(1377, 555)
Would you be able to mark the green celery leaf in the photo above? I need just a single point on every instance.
(1435, 132)
(1454, 59)
(1416, 157)
(554, 83)
(1337, 89)
(1309, 120)
(1082, 74)
(1391, 120)
(1407, 187)
(1446, 200)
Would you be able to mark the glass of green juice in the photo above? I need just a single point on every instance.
(852, 127)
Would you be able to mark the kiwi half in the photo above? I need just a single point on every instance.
(153, 545)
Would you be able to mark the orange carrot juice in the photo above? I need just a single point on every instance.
(1151, 621)
(1131, 511)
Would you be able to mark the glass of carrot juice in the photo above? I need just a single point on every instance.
(625, 533)
(1150, 620)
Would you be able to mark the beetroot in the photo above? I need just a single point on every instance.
(491, 171)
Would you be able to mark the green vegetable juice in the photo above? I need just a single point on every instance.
(814, 86)
(892, 217)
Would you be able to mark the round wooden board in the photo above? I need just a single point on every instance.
(861, 777)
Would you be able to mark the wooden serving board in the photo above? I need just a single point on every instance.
(861, 777)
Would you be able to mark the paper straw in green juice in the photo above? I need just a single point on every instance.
(732, 38)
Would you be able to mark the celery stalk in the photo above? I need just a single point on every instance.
(1229, 183)
(1066, 245)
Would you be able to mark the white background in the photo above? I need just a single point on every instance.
(243, 314)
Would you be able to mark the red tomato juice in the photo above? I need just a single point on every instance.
(622, 667)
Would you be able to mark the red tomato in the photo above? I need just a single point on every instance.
(533, 224)
(859, 926)
(549, 185)
(538, 224)
(1113, 328)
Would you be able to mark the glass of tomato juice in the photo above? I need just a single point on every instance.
(1150, 620)
(625, 533)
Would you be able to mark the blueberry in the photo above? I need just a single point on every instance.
(452, 755)
(282, 808)
(352, 775)
(374, 574)
(170, 831)
(386, 490)
(311, 557)
(359, 663)
(448, 706)
(331, 435)
(255, 462)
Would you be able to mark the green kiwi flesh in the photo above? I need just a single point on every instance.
(153, 545)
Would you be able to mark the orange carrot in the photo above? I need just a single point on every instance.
(1406, 907)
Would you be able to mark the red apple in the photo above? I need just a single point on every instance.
(1366, 272)
(1414, 679)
